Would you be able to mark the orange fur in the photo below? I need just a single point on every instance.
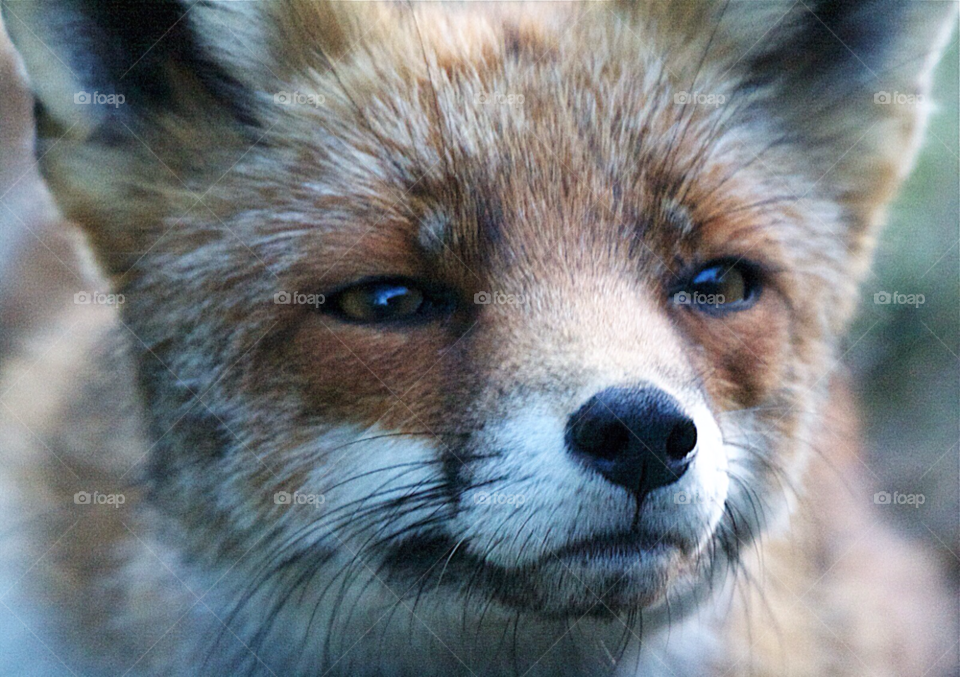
(537, 150)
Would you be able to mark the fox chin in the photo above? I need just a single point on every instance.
(463, 339)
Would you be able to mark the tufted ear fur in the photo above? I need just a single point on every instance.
(846, 81)
(142, 107)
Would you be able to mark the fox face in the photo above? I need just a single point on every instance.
(483, 317)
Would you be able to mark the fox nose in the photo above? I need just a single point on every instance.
(638, 438)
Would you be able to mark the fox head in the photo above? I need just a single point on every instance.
(519, 314)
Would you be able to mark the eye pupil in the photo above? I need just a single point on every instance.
(721, 286)
(380, 301)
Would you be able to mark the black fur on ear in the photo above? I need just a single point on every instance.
(144, 52)
(158, 32)
(848, 81)
(144, 106)
(830, 44)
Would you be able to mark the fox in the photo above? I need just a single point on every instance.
(469, 338)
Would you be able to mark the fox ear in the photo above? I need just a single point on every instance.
(849, 80)
(142, 106)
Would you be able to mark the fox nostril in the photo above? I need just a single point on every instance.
(682, 440)
(605, 439)
(638, 438)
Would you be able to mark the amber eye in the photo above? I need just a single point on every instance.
(721, 286)
(389, 300)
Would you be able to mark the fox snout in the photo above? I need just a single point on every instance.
(637, 438)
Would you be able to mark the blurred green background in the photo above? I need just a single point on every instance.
(904, 358)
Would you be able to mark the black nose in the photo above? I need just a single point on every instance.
(637, 438)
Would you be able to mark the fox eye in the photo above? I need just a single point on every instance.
(721, 286)
(385, 301)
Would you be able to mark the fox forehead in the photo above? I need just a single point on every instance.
(508, 110)
(480, 128)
